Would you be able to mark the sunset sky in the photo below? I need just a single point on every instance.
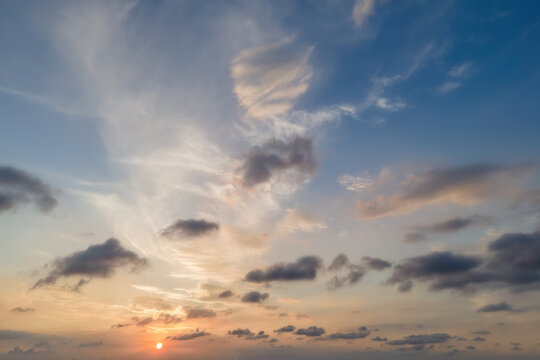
(270, 179)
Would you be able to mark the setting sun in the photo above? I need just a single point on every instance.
(159, 346)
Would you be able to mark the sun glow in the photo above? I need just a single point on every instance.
(159, 346)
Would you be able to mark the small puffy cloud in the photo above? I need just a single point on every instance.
(255, 297)
(312, 331)
(18, 187)
(378, 338)
(339, 262)
(461, 185)
(188, 336)
(190, 228)
(240, 332)
(355, 183)
(360, 334)
(423, 339)
(478, 338)
(97, 261)
(305, 268)
(462, 70)
(248, 334)
(448, 86)
(376, 263)
(22, 309)
(362, 11)
(288, 328)
(225, 294)
(198, 313)
(268, 79)
(262, 163)
(355, 272)
(295, 220)
(502, 306)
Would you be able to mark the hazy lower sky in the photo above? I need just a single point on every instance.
(269, 179)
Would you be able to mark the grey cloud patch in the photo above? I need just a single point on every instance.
(255, 297)
(360, 334)
(276, 156)
(225, 294)
(288, 328)
(423, 339)
(39, 348)
(23, 309)
(305, 268)
(512, 260)
(459, 184)
(189, 336)
(90, 344)
(240, 332)
(163, 318)
(190, 228)
(97, 261)
(448, 226)
(355, 272)
(18, 187)
(502, 306)
(378, 338)
(248, 334)
(312, 331)
(198, 313)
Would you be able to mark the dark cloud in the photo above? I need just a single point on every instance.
(240, 332)
(188, 336)
(378, 338)
(456, 184)
(339, 262)
(248, 334)
(197, 313)
(163, 318)
(225, 294)
(97, 261)
(355, 272)
(445, 227)
(118, 326)
(311, 331)
(255, 297)
(482, 332)
(23, 310)
(288, 328)
(39, 348)
(512, 260)
(305, 268)
(502, 306)
(430, 266)
(360, 334)
(375, 263)
(190, 228)
(470, 347)
(478, 338)
(18, 187)
(12, 334)
(423, 339)
(258, 336)
(90, 344)
(276, 156)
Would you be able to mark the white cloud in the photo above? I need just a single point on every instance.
(298, 221)
(448, 86)
(461, 71)
(355, 183)
(362, 10)
(268, 79)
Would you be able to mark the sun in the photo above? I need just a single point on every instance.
(159, 346)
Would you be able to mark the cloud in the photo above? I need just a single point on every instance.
(190, 228)
(225, 294)
(198, 313)
(462, 70)
(355, 183)
(97, 261)
(90, 344)
(18, 187)
(448, 226)
(254, 297)
(478, 338)
(312, 331)
(39, 348)
(502, 306)
(295, 220)
(163, 318)
(23, 309)
(466, 184)
(305, 268)
(150, 302)
(247, 334)
(362, 11)
(258, 336)
(275, 157)
(512, 260)
(421, 339)
(189, 336)
(355, 271)
(448, 86)
(378, 338)
(240, 332)
(481, 332)
(360, 334)
(268, 79)
(288, 328)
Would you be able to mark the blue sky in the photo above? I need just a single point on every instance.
(175, 171)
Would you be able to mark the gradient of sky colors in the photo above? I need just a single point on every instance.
(270, 179)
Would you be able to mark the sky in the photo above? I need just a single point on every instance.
(269, 179)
